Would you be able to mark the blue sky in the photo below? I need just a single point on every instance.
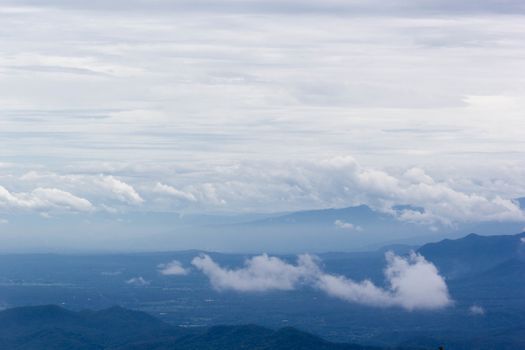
(262, 106)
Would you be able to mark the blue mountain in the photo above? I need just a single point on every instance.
(54, 328)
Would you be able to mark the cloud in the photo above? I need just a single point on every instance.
(290, 7)
(412, 282)
(184, 130)
(342, 181)
(440, 201)
(62, 199)
(173, 268)
(4, 221)
(477, 310)
(138, 281)
(411, 195)
(111, 273)
(173, 192)
(123, 191)
(260, 273)
(44, 199)
(347, 226)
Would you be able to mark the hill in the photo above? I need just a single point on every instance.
(53, 327)
(473, 254)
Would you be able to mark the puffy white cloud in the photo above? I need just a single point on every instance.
(301, 185)
(172, 191)
(43, 199)
(441, 202)
(412, 282)
(477, 310)
(62, 199)
(173, 268)
(123, 191)
(138, 281)
(347, 226)
(342, 181)
(261, 273)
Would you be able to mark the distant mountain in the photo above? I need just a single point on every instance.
(344, 229)
(250, 337)
(473, 254)
(360, 228)
(54, 328)
(360, 214)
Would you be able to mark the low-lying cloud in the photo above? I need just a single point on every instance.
(138, 281)
(347, 225)
(173, 268)
(260, 273)
(477, 310)
(411, 282)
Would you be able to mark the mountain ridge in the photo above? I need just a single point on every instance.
(116, 328)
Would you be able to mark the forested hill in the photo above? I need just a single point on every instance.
(54, 328)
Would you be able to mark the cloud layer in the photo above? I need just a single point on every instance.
(206, 106)
(412, 282)
(267, 186)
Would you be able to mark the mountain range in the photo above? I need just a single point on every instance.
(485, 276)
(54, 328)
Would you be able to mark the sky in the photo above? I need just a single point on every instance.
(262, 106)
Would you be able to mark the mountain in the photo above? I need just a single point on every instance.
(334, 229)
(248, 337)
(52, 327)
(474, 254)
(354, 228)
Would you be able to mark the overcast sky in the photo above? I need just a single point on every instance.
(261, 106)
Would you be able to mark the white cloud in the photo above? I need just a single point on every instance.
(347, 226)
(342, 181)
(123, 191)
(138, 281)
(111, 273)
(44, 199)
(441, 202)
(173, 268)
(301, 185)
(62, 199)
(477, 310)
(172, 191)
(184, 128)
(413, 282)
(261, 273)
(4, 221)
